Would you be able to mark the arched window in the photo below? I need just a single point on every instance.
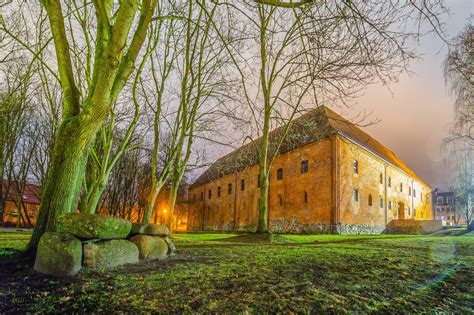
(370, 200)
(305, 197)
(280, 200)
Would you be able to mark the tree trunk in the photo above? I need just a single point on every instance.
(64, 178)
(172, 203)
(150, 203)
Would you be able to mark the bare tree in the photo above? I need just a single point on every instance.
(459, 74)
(310, 52)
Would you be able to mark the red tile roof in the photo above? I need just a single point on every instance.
(313, 126)
(31, 194)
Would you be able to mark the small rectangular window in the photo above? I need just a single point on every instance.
(381, 178)
(381, 202)
(389, 182)
(219, 191)
(209, 194)
(356, 195)
(229, 189)
(202, 195)
(439, 200)
(356, 167)
(421, 197)
(401, 187)
(409, 191)
(414, 193)
(280, 174)
(390, 205)
(242, 185)
(304, 166)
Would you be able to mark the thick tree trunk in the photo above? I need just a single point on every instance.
(172, 204)
(64, 178)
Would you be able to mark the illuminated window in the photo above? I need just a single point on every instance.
(242, 185)
(229, 189)
(381, 202)
(209, 194)
(280, 174)
(304, 166)
(305, 197)
(389, 182)
(356, 167)
(381, 178)
(219, 191)
(370, 200)
(439, 200)
(356, 195)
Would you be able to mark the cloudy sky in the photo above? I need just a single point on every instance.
(416, 112)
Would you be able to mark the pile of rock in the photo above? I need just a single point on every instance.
(99, 242)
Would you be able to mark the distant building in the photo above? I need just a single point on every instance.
(29, 201)
(446, 209)
(329, 177)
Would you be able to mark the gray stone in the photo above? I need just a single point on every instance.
(150, 229)
(171, 247)
(108, 254)
(150, 247)
(58, 254)
(91, 226)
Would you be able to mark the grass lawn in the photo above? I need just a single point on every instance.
(223, 273)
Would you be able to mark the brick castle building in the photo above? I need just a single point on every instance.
(329, 177)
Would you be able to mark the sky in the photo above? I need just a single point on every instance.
(415, 113)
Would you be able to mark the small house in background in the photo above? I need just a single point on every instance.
(446, 209)
(19, 210)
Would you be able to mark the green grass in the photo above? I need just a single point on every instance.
(310, 273)
(13, 242)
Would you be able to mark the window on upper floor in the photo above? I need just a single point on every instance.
(305, 197)
(389, 182)
(414, 192)
(381, 202)
(202, 195)
(370, 200)
(439, 200)
(219, 191)
(304, 166)
(280, 174)
(229, 189)
(409, 191)
(356, 167)
(280, 200)
(356, 195)
(401, 187)
(381, 178)
(449, 200)
(242, 185)
(209, 194)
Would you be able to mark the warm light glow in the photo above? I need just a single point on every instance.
(164, 210)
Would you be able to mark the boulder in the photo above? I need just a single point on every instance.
(58, 254)
(108, 254)
(150, 247)
(91, 226)
(171, 247)
(150, 229)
